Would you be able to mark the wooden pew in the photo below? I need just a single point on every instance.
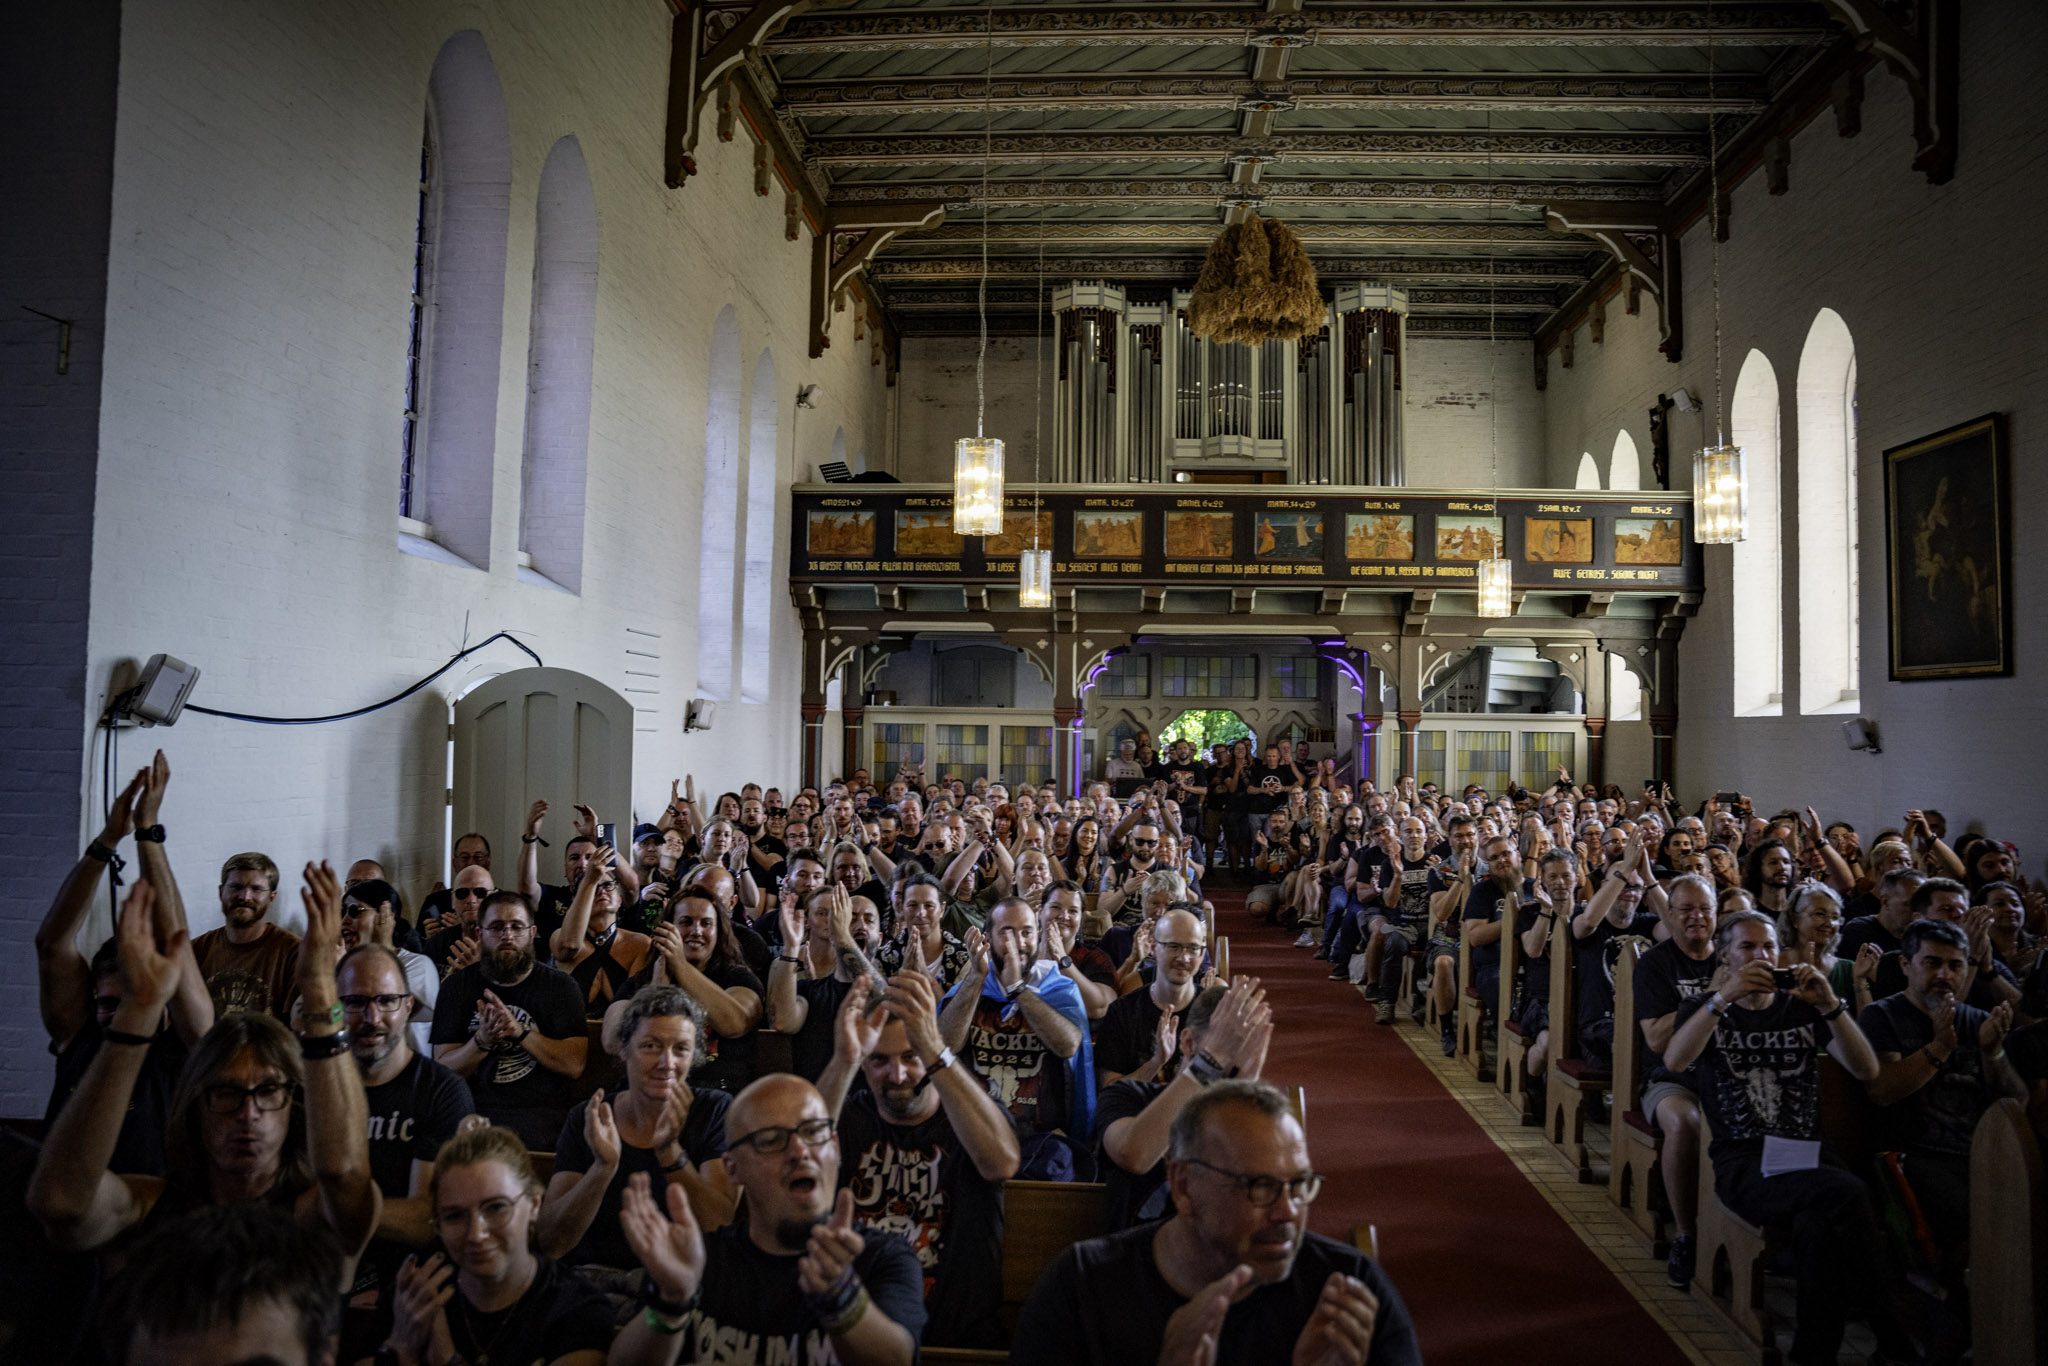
(1510, 1070)
(1635, 1181)
(1732, 1254)
(1571, 1083)
(2008, 1240)
(543, 1165)
(1471, 1015)
(1042, 1219)
(1223, 959)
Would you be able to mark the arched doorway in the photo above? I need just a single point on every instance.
(1204, 727)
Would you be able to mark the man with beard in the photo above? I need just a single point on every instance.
(248, 963)
(550, 902)
(513, 1026)
(1021, 1027)
(1771, 870)
(597, 952)
(805, 988)
(455, 944)
(1404, 918)
(792, 1280)
(925, 1152)
(1478, 908)
(1223, 1033)
(1133, 1042)
(1613, 912)
(1668, 975)
(1887, 925)
(415, 1105)
(1234, 1275)
(1941, 1064)
(1119, 902)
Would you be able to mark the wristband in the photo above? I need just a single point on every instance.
(1840, 1006)
(332, 1015)
(149, 834)
(939, 1064)
(853, 1313)
(314, 1047)
(123, 1036)
(105, 854)
(534, 839)
(789, 958)
(1718, 1007)
(1204, 1069)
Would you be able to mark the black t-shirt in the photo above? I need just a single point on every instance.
(1133, 1196)
(810, 1048)
(1128, 1033)
(1593, 963)
(139, 1151)
(919, 1183)
(1407, 899)
(1940, 1117)
(443, 940)
(411, 1116)
(1535, 968)
(1760, 1074)
(1666, 975)
(728, 1064)
(755, 951)
(552, 911)
(751, 1310)
(604, 1242)
(1104, 1303)
(510, 1086)
(1219, 798)
(1865, 929)
(1484, 906)
(560, 1313)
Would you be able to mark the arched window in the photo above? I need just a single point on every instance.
(558, 371)
(1624, 692)
(1829, 621)
(757, 616)
(447, 463)
(1756, 600)
(1624, 466)
(720, 510)
(839, 449)
(1589, 472)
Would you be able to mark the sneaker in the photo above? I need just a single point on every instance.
(1340, 974)
(1678, 1267)
(1307, 941)
(1383, 1012)
(1450, 1036)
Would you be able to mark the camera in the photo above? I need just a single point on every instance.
(1786, 979)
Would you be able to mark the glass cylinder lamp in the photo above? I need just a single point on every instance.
(1496, 588)
(1034, 581)
(1720, 495)
(978, 486)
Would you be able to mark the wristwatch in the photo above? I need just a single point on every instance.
(149, 834)
(1066, 961)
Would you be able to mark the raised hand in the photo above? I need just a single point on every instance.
(121, 817)
(320, 950)
(913, 959)
(1058, 944)
(1191, 1332)
(1868, 959)
(601, 1131)
(1991, 1034)
(586, 820)
(670, 1246)
(149, 973)
(1944, 1017)
(1167, 1041)
(419, 1319)
(1339, 1332)
(535, 814)
(386, 927)
(787, 916)
(914, 999)
(833, 1246)
(1977, 925)
(462, 952)
(857, 1029)
(977, 956)
(150, 801)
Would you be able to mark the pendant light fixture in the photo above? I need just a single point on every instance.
(1496, 574)
(1034, 566)
(978, 460)
(1720, 472)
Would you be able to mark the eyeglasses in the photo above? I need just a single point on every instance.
(508, 929)
(1183, 950)
(227, 1099)
(1262, 1191)
(1144, 844)
(470, 893)
(494, 1213)
(815, 1133)
(384, 1005)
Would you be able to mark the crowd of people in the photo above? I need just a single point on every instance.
(747, 1089)
(778, 1058)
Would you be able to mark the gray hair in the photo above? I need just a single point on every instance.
(1788, 919)
(662, 1003)
(1163, 880)
(1698, 881)
(1186, 1138)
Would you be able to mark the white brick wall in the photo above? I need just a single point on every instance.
(264, 178)
(1943, 289)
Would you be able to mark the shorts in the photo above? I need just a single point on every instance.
(1438, 949)
(1657, 1092)
(1535, 1018)
(1408, 934)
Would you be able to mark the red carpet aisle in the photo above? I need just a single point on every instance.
(1488, 1268)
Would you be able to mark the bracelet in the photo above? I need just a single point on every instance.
(836, 1300)
(851, 1315)
(1718, 1007)
(123, 1036)
(105, 854)
(332, 1015)
(315, 1047)
(150, 834)
(534, 839)
(789, 958)
(653, 1318)
(1840, 1006)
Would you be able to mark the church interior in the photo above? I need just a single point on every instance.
(1659, 424)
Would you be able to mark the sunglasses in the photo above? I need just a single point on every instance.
(469, 893)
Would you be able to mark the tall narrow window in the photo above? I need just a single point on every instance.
(1624, 466)
(1756, 599)
(559, 351)
(1589, 472)
(720, 507)
(758, 615)
(448, 460)
(1829, 622)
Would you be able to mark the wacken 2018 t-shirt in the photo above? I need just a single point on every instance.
(751, 1311)
(1760, 1074)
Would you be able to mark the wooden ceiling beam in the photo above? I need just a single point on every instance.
(1562, 92)
(1472, 192)
(1407, 271)
(1332, 146)
(1441, 23)
(1529, 235)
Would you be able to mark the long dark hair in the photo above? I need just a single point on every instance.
(1753, 867)
(186, 1165)
(725, 953)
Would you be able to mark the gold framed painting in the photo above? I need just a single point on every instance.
(1200, 535)
(1468, 538)
(847, 534)
(1557, 540)
(926, 535)
(1948, 553)
(1649, 540)
(1379, 536)
(1109, 535)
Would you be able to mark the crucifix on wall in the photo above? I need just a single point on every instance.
(1660, 441)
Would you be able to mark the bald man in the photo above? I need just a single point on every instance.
(793, 1279)
(455, 946)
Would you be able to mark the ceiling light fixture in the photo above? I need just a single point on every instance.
(1034, 566)
(1496, 574)
(1720, 472)
(978, 460)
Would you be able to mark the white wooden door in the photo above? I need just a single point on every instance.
(541, 734)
